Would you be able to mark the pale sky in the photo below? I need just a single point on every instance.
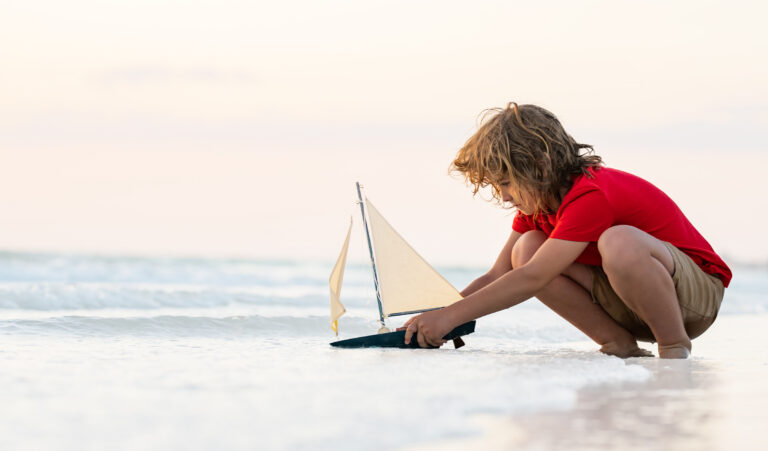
(238, 128)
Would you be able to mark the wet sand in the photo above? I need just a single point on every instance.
(714, 401)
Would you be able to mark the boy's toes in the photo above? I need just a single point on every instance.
(640, 352)
(625, 351)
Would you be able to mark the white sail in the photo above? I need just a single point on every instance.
(337, 277)
(406, 281)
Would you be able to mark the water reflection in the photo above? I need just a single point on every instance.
(712, 403)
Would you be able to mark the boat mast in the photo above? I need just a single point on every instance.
(370, 250)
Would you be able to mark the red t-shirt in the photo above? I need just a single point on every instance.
(615, 197)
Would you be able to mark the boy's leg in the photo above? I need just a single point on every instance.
(639, 268)
(569, 296)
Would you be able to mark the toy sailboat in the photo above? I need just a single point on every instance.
(405, 283)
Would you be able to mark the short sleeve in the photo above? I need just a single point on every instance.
(584, 218)
(522, 223)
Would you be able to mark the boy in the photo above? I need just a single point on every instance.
(606, 250)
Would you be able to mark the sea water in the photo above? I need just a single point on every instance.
(195, 354)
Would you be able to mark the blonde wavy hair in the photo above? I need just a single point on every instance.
(528, 146)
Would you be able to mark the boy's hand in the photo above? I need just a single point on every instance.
(429, 328)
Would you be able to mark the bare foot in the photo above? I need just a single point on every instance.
(624, 351)
(675, 351)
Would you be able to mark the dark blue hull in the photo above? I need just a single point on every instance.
(397, 339)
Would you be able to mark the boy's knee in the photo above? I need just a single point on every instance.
(623, 247)
(526, 246)
(618, 246)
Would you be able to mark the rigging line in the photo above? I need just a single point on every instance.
(370, 251)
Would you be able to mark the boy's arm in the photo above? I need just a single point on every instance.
(502, 266)
(514, 287)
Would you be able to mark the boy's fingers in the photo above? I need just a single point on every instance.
(435, 343)
(405, 324)
(409, 333)
(422, 340)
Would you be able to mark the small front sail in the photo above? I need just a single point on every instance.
(337, 277)
(406, 281)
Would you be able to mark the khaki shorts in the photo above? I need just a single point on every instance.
(698, 293)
